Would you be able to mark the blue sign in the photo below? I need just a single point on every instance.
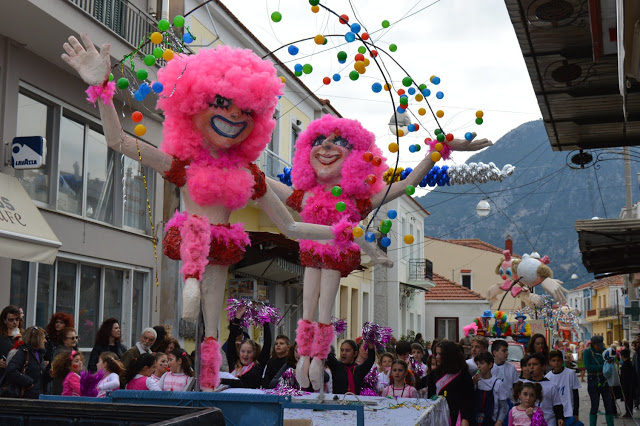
(28, 152)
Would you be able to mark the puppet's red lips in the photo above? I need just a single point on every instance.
(327, 159)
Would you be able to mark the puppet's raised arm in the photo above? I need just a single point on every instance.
(281, 190)
(94, 67)
(422, 169)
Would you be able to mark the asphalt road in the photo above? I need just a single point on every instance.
(585, 406)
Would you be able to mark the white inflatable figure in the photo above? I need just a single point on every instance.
(534, 271)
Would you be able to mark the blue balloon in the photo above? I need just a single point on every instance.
(385, 241)
(138, 96)
(404, 96)
(293, 50)
(436, 80)
(342, 62)
(349, 37)
(336, 77)
(157, 87)
(439, 95)
(412, 90)
(426, 92)
(297, 68)
(468, 136)
(370, 237)
(400, 110)
(412, 148)
(355, 27)
(412, 128)
(376, 87)
(187, 38)
(392, 214)
(145, 89)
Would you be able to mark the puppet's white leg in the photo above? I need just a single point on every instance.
(191, 299)
(212, 288)
(329, 284)
(306, 329)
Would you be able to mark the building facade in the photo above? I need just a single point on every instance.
(606, 300)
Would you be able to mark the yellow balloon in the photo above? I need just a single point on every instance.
(419, 97)
(140, 130)
(422, 111)
(435, 156)
(386, 87)
(431, 78)
(359, 66)
(357, 232)
(315, 9)
(282, 79)
(408, 239)
(167, 55)
(440, 113)
(400, 132)
(156, 38)
(479, 114)
(438, 147)
(393, 146)
(319, 39)
(366, 62)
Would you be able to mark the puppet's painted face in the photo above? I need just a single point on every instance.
(328, 154)
(505, 270)
(223, 124)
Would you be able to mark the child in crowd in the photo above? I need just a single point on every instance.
(68, 364)
(180, 373)
(403, 350)
(525, 374)
(162, 365)
(567, 384)
(399, 389)
(628, 380)
(109, 363)
(138, 377)
(346, 375)
(526, 394)
(551, 404)
(277, 360)
(479, 344)
(504, 370)
(384, 370)
(490, 398)
(417, 351)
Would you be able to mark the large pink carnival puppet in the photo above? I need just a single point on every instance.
(330, 152)
(218, 119)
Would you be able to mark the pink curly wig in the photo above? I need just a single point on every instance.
(354, 170)
(192, 82)
(467, 328)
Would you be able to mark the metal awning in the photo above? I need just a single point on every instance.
(24, 233)
(572, 49)
(609, 246)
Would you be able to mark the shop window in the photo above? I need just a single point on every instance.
(446, 328)
(19, 283)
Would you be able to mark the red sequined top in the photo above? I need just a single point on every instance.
(294, 201)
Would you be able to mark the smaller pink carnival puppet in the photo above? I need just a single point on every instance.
(218, 109)
(329, 153)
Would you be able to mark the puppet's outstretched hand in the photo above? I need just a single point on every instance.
(92, 66)
(465, 145)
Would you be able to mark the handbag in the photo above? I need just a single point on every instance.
(12, 390)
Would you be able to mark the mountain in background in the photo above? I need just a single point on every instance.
(537, 205)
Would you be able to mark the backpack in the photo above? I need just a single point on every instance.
(484, 406)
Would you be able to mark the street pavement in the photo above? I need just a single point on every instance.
(585, 406)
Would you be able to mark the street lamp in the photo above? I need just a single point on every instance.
(483, 208)
(574, 276)
(403, 121)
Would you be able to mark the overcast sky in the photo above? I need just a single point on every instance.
(469, 44)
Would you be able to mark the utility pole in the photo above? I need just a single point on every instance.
(627, 182)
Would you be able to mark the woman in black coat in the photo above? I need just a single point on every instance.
(36, 373)
(107, 340)
(453, 379)
(347, 376)
(10, 325)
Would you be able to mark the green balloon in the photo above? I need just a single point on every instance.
(157, 52)
(149, 60)
(418, 148)
(276, 16)
(404, 101)
(386, 223)
(362, 49)
(440, 137)
(410, 190)
(422, 87)
(479, 121)
(354, 75)
(111, 77)
(341, 206)
(314, 2)
(307, 68)
(385, 24)
(437, 131)
(325, 41)
(298, 73)
(178, 21)
(142, 74)
(393, 47)
(336, 191)
(122, 83)
(163, 25)
(342, 56)
(406, 82)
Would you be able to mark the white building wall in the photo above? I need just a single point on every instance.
(465, 310)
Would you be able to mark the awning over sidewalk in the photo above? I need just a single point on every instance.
(24, 233)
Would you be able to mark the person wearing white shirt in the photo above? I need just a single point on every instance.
(488, 384)
(567, 384)
(479, 344)
(551, 404)
(503, 370)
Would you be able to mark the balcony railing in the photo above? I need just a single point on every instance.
(121, 17)
(420, 269)
(271, 164)
(608, 312)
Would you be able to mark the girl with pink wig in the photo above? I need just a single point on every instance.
(218, 109)
(330, 152)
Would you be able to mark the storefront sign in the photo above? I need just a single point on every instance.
(28, 152)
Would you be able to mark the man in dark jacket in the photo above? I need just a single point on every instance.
(628, 380)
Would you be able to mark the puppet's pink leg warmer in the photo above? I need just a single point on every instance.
(211, 359)
(194, 248)
(322, 341)
(304, 336)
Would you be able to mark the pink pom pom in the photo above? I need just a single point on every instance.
(105, 93)
(445, 152)
(343, 232)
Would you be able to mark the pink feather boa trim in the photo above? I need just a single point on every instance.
(446, 151)
(304, 336)
(194, 249)
(343, 231)
(210, 364)
(104, 92)
(234, 233)
(322, 341)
